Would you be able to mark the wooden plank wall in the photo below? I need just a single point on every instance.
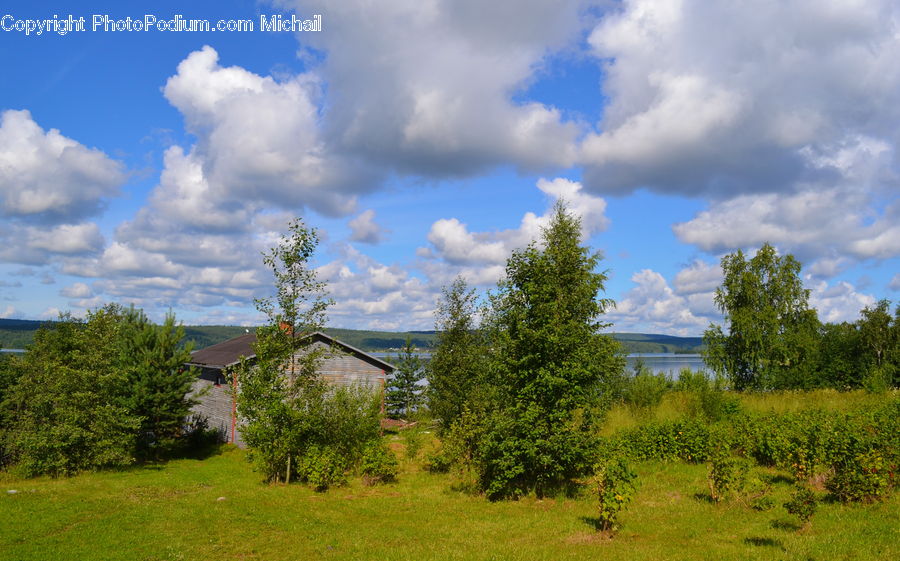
(214, 402)
(342, 369)
(338, 368)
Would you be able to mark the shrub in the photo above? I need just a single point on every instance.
(322, 468)
(461, 450)
(691, 381)
(757, 493)
(687, 440)
(379, 464)
(438, 461)
(715, 404)
(878, 379)
(645, 391)
(727, 475)
(866, 477)
(856, 453)
(343, 420)
(94, 393)
(802, 504)
(412, 440)
(198, 437)
(614, 483)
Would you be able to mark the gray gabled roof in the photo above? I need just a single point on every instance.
(230, 352)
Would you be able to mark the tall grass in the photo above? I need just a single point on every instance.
(677, 405)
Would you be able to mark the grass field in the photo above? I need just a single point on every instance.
(217, 508)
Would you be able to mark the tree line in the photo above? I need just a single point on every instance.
(105, 391)
(520, 379)
(775, 341)
(517, 384)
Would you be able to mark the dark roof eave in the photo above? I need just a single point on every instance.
(219, 366)
(210, 352)
(386, 366)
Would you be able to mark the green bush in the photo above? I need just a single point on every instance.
(198, 437)
(645, 391)
(379, 464)
(95, 393)
(343, 420)
(461, 452)
(322, 468)
(691, 381)
(878, 379)
(412, 440)
(687, 440)
(757, 495)
(438, 461)
(802, 504)
(864, 478)
(614, 483)
(727, 475)
(856, 452)
(714, 404)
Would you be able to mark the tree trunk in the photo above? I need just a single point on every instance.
(287, 478)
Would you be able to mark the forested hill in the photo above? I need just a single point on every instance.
(17, 333)
(650, 343)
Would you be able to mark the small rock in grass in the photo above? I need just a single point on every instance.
(221, 499)
(11, 492)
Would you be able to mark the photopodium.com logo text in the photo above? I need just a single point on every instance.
(150, 22)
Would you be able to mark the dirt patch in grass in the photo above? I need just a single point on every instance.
(590, 538)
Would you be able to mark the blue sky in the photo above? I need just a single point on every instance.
(429, 139)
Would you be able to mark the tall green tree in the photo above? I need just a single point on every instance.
(155, 384)
(457, 364)
(65, 408)
(300, 303)
(295, 425)
(275, 390)
(403, 392)
(549, 358)
(879, 341)
(99, 392)
(840, 356)
(771, 335)
(10, 370)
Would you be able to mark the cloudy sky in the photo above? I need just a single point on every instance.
(429, 138)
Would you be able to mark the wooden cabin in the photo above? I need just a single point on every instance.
(341, 365)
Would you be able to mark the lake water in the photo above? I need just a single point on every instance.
(667, 363)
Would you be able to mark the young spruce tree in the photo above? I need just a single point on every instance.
(65, 409)
(403, 393)
(155, 384)
(457, 364)
(99, 392)
(549, 360)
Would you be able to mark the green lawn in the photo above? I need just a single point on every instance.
(218, 508)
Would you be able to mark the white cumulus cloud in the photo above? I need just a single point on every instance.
(428, 87)
(454, 245)
(364, 229)
(733, 98)
(49, 177)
